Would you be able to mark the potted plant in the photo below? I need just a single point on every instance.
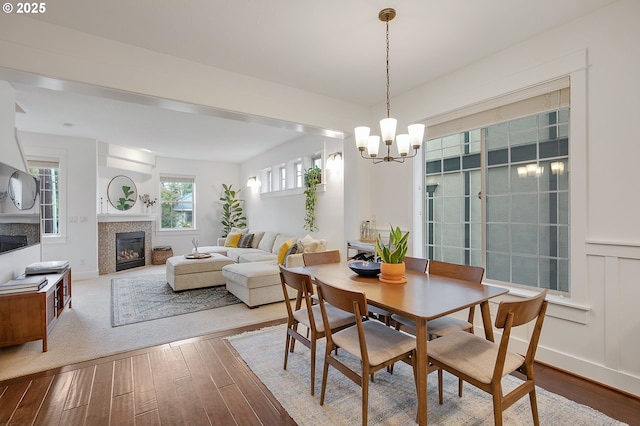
(392, 256)
(232, 215)
(312, 177)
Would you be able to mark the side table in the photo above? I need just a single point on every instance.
(29, 316)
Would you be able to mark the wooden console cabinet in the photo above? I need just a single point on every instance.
(25, 317)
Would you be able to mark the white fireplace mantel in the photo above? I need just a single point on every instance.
(124, 217)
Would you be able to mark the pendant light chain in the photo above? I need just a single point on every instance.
(388, 85)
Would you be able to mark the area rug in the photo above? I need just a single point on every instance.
(145, 298)
(392, 398)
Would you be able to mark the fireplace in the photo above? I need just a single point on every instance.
(130, 250)
(11, 242)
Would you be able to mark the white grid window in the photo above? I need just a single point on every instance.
(177, 202)
(522, 164)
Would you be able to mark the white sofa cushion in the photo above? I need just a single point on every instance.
(234, 253)
(257, 257)
(266, 243)
(253, 275)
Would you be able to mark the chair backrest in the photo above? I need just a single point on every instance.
(416, 264)
(298, 282)
(456, 271)
(514, 314)
(354, 302)
(321, 257)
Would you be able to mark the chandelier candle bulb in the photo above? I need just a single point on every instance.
(403, 144)
(388, 129)
(373, 145)
(362, 137)
(416, 134)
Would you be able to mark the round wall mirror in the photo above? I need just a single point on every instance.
(23, 190)
(122, 193)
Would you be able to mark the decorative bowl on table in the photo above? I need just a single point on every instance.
(365, 269)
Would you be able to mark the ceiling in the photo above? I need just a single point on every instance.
(332, 47)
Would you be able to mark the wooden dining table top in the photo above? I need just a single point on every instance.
(425, 296)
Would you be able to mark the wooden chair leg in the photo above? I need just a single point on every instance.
(534, 407)
(497, 408)
(440, 386)
(286, 350)
(365, 400)
(460, 387)
(313, 366)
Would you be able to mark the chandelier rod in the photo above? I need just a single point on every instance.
(388, 85)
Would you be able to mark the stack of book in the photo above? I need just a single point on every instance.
(50, 267)
(23, 284)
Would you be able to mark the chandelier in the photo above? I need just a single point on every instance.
(404, 141)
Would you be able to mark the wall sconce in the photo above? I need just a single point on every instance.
(253, 182)
(334, 161)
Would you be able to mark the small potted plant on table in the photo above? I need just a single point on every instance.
(392, 256)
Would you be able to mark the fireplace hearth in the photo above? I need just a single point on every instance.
(130, 250)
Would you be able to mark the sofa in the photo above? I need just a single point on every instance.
(254, 276)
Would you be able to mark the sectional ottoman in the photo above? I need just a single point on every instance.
(186, 274)
(254, 277)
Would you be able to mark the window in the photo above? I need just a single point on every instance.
(519, 229)
(269, 186)
(48, 174)
(316, 161)
(177, 202)
(297, 171)
(282, 174)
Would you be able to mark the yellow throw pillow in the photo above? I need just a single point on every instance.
(282, 251)
(232, 240)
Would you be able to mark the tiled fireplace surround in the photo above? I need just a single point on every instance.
(108, 226)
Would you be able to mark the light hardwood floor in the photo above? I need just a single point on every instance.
(201, 381)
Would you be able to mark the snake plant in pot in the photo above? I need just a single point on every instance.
(392, 255)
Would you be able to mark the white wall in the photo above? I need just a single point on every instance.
(285, 212)
(594, 332)
(78, 168)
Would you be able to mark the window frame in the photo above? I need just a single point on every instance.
(576, 306)
(173, 178)
(60, 157)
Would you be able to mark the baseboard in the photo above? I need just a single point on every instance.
(87, 275)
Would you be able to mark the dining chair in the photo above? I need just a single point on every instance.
(484, 363)
(448, 324)
(444, 325)
(308, 314)
(321, 257)
(373, 343)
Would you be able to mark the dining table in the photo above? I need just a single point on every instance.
(422, 298)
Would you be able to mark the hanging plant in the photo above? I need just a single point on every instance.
(312, 177)
(232, 215)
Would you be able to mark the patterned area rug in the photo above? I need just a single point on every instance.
(146, 298)
(392, 398)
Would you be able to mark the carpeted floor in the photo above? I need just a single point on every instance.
(392, 398)
(149, 297)
(84, 332)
